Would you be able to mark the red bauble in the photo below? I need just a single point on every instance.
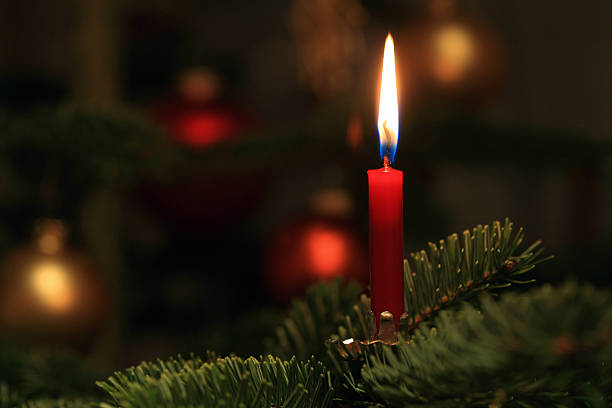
(311, 249)
(197, 116)
(200, 124)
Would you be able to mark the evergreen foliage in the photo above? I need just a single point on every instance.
(12, 399)
(548, 347)
(229, 381)
(311, 321)
(456, 269)
(460, 346)
(43, 376)
(80, 147)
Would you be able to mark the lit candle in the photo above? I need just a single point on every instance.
(386, 203)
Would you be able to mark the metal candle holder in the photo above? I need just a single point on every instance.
(351, 348)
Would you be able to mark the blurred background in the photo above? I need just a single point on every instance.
(172, 173)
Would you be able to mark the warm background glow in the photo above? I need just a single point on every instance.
(327, 249)
(52, 285)
(454, 52)
(387, 107)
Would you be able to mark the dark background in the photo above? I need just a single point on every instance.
(260, 121)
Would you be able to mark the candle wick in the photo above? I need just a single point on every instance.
(386, 162)
(387, 142)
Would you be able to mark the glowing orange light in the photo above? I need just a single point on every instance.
(49, 244)
(327, 251)
(454, 52)
(52, 286)
(388, 122)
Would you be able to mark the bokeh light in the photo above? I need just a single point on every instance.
(52, 285)
(327, 250)
(454, 52)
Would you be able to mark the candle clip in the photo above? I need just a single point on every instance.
(352, 349)
(386, 332)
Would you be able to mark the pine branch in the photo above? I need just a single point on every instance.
(311, 321)
(454, 271)
(11, 399)
(451, 272)
(79, 149)
(457, 269)
(44, 375)
(549, 347)
(448, 274)
(231, 381)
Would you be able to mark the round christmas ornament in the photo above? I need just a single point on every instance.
(50, 292)
(310, 249)
(451, 54)
(197, 116)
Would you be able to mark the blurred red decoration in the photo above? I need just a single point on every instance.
(452, 54)
(310, 249)
(51, 293)
(197, 116)
(201, 129)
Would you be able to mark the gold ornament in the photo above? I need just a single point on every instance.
(451, 53)
(50, 292)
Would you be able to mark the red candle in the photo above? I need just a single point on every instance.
(386, 203)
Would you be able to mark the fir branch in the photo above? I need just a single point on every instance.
(9, 398)
(77, 150)
(549, 347)
(450, 272)
(230, 381)
(44, 375)
(458, 268)
(453, 271)
(311, 321)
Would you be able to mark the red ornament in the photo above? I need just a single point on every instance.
(205, 128)
(197, 116)
(200, 125)
(312, 249)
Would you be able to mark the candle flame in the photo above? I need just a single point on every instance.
(388, 122)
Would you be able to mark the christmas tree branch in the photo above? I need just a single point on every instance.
(229, 381)
(457, 268)
(12, 399)
(549, 347)
(311, 321)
